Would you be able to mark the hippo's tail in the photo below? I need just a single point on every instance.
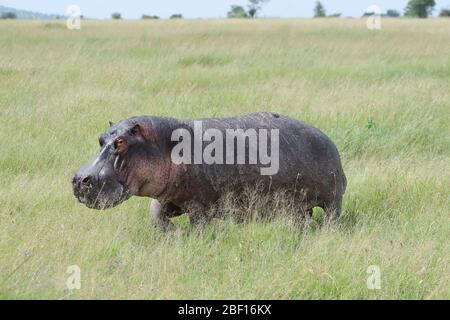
(344, 182)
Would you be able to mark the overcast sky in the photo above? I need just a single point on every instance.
(133, 9)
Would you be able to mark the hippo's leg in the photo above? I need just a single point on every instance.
(333, 208)
(199, 214)
(160, 214)
(302, 215)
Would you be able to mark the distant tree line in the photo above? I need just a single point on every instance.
(146, 16)
(414, 8)
(118, 16)
(8, 15)
(391, 13)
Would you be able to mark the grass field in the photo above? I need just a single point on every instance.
(382, 96)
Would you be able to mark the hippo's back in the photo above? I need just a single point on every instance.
(308, 159)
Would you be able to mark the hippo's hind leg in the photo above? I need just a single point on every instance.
(161, 212)
(199, 214)
(333, 208)
(302, 215)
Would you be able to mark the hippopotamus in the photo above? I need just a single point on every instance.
(187, 166)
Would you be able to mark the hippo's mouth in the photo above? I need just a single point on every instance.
(101, 198)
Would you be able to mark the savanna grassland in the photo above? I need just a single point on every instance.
(382, 96)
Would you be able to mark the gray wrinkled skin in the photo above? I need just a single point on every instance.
(310, 169)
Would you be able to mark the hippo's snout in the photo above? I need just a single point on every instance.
(83, 182)
(83, 185)
(85, 188)
(96, 186)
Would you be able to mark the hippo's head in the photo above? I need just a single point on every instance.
(130, 162)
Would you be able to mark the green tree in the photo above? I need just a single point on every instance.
(176, 16)
(392, 13)
(116, 16)
(146, 16)
(9, 15)
(254, 6)
(319, 10)
(237, 12)
(444, 13)
(419, 8)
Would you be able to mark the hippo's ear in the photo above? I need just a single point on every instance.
(111, 123)
(145, 132)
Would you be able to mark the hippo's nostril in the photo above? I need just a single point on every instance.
(86, 180)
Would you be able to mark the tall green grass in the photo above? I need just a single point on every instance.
(382, 96)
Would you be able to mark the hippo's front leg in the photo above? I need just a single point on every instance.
(161, 212)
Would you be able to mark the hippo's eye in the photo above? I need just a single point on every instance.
(134, 130)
